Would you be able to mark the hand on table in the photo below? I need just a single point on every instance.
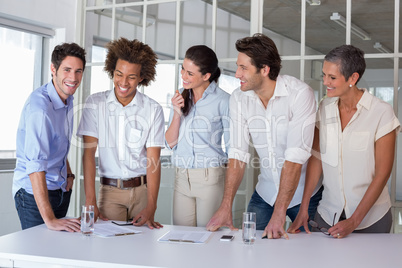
(274, 229)
(222, 217)
(146, 216)
(302, 219)
(343, 228)
(98, 214)
(69, 225)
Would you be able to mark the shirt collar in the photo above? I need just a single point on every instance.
(365, 100)
(138, 99)
(279, 91)
(55, 98)
(210, 89)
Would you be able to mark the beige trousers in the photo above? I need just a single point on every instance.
(197, 195)
(121, 204)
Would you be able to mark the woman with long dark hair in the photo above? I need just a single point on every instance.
(198, 120)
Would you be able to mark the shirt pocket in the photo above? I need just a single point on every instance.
(135, 138)
(359, 141)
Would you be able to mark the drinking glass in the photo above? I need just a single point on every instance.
(87, 220)
(249, 228)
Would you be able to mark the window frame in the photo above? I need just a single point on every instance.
(10, 23)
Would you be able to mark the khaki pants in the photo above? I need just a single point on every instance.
(197, 195)
(122, 204)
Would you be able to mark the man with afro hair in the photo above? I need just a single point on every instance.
(127, 128)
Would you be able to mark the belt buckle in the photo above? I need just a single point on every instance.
(120, 183)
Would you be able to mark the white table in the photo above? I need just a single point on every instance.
(40, 247)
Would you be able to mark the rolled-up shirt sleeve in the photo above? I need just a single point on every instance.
(37, 145)
(388, 123)
(301, 127)
(226, 126)
(239, 131)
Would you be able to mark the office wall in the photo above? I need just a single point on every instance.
(8, 215)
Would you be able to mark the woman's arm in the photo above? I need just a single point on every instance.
(313, 174)
(172, 133)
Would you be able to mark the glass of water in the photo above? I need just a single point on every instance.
(87, 220)
(249, 228)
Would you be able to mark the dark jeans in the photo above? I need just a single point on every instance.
(28, 211)
(264, 210)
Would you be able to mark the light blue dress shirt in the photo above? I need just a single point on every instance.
(43, 139)
(200, 135)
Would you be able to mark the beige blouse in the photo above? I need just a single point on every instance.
(348, 157)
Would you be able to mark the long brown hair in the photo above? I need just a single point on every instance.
(205, 59)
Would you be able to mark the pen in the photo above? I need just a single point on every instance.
(181, 240)
(124, 234)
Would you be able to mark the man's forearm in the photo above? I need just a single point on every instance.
(290, 177)
(89, 178)
(234, 176)
(89, 165)
(153, 177)
(41, 195)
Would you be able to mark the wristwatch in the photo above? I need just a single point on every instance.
(71, 175)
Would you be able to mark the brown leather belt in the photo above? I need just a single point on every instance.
(124, 184)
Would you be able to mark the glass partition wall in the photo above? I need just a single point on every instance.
(304, 32)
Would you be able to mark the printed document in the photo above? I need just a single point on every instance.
(108, 229)
(197, 237)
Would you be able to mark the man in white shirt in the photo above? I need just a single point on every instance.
(127, 128)
(277, 112)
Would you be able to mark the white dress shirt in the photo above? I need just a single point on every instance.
(348, 159)
(123, 133)
(282, 131)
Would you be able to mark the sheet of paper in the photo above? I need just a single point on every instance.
(185, 236)
(108, 229)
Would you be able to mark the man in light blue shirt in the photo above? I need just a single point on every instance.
(42, 177)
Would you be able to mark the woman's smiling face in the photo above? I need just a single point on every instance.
(335, 82)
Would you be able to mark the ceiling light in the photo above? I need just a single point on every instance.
(313, 2)
(336, 17)
(381, 48)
